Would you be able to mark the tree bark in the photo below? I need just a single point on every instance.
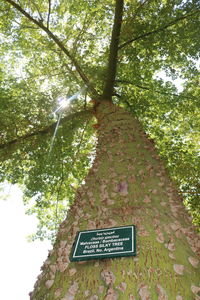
(126, 185)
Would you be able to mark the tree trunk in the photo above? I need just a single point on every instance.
(126, 185)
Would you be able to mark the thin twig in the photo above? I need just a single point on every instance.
(81, 32)
(71, 72)
(37, 8)
(156, 91)
(79, 145)
(5, 10)
(85, 101)
(24, 26)
(58, 190)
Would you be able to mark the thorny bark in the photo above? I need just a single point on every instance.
(126, 185)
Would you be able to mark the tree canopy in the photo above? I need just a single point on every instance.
(51, 50)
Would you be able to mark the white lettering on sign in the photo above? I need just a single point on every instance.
(86, 243)
(91, 246)
(113, 249)
(88, 251)
(97, 238)
(99, 250)
(105, 233)
(117, 244)
(105, 243)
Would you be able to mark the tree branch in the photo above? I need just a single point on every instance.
(25, 26)
(45, 130)
(112, 61)
(156, 91)
(81, 33)
(79, 145)
(49, 13)
(158, 29)
(37, 8)
(58, 43)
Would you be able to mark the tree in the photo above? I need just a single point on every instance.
(64, 47)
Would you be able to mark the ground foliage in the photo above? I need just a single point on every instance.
(57, 48)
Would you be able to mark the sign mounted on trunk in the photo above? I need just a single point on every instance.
(104, 243)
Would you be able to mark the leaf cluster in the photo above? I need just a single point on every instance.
(52, 49)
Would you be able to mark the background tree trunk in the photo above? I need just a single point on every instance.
(126, 185)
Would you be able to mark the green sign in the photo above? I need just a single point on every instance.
(104, 243)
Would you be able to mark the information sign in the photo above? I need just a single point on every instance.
(104, 243)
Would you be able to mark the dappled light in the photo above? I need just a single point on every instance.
(100, 119)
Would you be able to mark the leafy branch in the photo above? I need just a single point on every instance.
(44, 130)
(58, 43)
(154, 90)
(159, 29)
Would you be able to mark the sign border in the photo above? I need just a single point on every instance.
(86, 257)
